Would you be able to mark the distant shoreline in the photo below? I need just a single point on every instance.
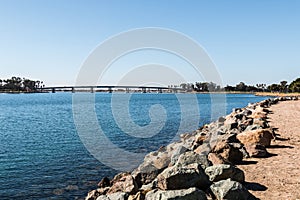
(271, 94)
(19, 92)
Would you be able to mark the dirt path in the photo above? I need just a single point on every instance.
(278, 176)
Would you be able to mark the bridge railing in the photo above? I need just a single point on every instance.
(110, 89)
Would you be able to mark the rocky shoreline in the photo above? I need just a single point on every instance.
(202, 164)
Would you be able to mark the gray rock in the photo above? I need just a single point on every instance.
(241, 148)
(221, 119)
(183, 177)
(223, 171)
(231, 190)
(155, 162)
(114, 196)
(187, 194)
(178, 151)
(191, 157)
(146, 173)
(102, 197)
(149, 186)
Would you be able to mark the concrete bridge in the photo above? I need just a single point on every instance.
(112, 88)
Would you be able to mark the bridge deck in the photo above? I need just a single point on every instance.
(110, 88)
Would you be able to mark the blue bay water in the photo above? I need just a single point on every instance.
(42, 156)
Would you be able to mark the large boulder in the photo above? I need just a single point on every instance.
(162, 160)
(183, 177)
(146, 173)
(155, 162)
(191, 157)
(256, 150)
(178, 151)
(259, 136)
(229, 153)
(223, 172)
(228, 189)
(185, 194)
(123, 182)
(218, 136)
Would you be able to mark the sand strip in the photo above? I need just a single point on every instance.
(278, 176)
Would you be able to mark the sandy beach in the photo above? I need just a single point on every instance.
(278, 176)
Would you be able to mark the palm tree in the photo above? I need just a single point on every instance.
(37, 84)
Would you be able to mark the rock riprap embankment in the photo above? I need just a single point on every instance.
(202, 164)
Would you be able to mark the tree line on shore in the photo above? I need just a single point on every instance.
(282, 87)
(17, 84)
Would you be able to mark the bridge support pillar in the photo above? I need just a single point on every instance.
(92, 90)
(109, 90)
(144, 90)
(127, 90)
(53, 90)
(73, 90)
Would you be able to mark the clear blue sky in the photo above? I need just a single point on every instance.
(251, 41)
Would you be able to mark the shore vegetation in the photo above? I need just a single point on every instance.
(20, 85)
(276, 88)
